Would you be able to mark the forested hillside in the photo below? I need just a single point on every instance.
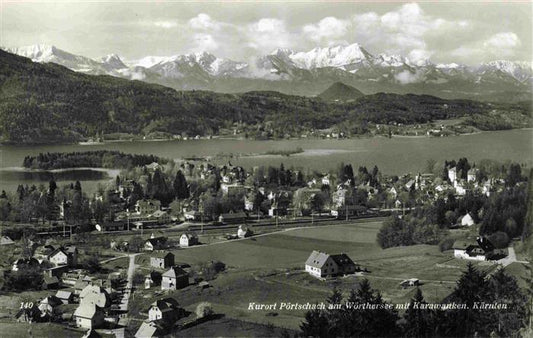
(42, 103)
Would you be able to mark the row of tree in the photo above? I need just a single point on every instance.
(468, 318)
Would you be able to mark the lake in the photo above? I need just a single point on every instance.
(393, 156)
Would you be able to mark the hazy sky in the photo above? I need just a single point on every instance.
(443, 31)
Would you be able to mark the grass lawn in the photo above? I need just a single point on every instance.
(231, 328)
(17, 330)
(268, 269)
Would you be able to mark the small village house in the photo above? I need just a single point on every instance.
(89, 316)
(147, 207)
(162, 260)
(167, 310)
(244, 232)
(50, 282)
(152, 279)
(188, 239)
(150, 329)
(320, 264)
(467, 220)
(66, 297)
(155, 243)
(193, 215)
(232, 217)
(175, 278)
(94, 294)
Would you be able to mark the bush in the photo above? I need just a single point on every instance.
(446, 244)
(204, 310)
(499, 239)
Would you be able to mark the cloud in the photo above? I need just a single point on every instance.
(499, 45)
(419, 56)
(204, 42)
(502, 43)
(329, 28)
(267, 34)
(403, 30)
(204, 22)
(166, 24)
(406, 77)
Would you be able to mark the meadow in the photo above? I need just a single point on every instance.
(268, 269)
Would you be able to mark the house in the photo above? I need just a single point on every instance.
(147, 206)
(472, 175)
(96, 295)
(175, 278)
(452, 175)
(23, 262)
(193, 215)
(155, 243)
(50, 282)
(67, 255)
(167, 310)
(58, 257)
(162, 260)
(5, 240)
(28, 314)
(244, 232)
(233, 189)
(162, 217)
(80, 284)
(410, 282)
(57, 271)
(65, 296)
(188, 239)
(150, 329)
(409, 184)
(114, 226)
(467, 220)
(320, 264)
(49, 305)
(480, 251)
(89, 316)
(351, 210)
(152, 279)
(232, 218)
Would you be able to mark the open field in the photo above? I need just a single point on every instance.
(268, 269)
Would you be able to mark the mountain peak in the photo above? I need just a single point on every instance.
(340, 92)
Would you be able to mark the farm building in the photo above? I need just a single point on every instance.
(162, 260)
(231, 218)
(467, 220)
(188, 239)
(320, 264)
(89, 316)
(175, 278)
(155, 243)
(167, 310)
(65, 296)
(192, 215)
(147, 207)
(480, 251)
(150, 329)
(244, 232)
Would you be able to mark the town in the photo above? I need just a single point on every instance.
(154, 251)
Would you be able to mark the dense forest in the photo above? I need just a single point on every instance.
(41, 103)
(89, 159)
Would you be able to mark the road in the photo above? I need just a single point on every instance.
(120, 332)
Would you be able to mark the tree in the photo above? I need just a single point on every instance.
(418, 320)
(181, 189)
(315, 324)
(92, 263)
(514, 175)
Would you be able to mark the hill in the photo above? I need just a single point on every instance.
(340, 92)
(45, 103)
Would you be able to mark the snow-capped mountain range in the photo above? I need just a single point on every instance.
(301, 72)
